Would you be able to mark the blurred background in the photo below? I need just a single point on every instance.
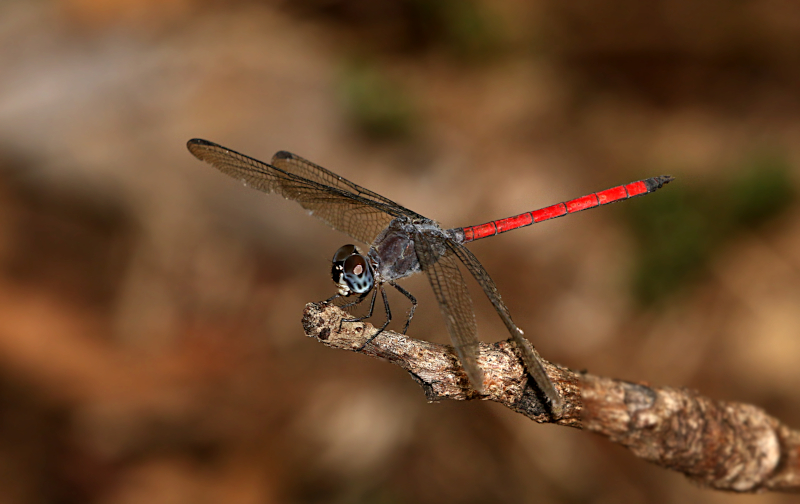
(151, 349)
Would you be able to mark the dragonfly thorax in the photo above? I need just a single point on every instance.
(351, 272)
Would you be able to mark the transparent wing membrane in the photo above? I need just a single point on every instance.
(455, 304)
(532, 362)
(340, 203)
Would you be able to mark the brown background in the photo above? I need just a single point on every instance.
(150, 341)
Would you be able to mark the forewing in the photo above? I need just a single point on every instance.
(532, 362)
(343, 205)
(292, 163)
(441, 267)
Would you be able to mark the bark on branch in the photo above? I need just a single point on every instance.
(722, 445)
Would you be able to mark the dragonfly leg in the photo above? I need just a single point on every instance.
(358, 300)
(388, 317)
(330, 299)
(361, 298)
(413, 304)
(347, 305)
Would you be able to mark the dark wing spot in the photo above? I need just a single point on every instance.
(199, 141)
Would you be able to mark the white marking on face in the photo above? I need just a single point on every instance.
(358, 270)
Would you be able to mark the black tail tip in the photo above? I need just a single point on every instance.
(658, 182)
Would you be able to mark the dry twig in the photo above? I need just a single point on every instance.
(723, 445)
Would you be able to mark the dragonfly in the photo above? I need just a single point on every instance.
(402, 243)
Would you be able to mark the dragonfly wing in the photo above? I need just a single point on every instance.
(532, 361)
(292, 163)
(343, 205)
(441, 267)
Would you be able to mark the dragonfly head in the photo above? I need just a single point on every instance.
(351, 272)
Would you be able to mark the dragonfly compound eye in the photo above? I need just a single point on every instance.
(343, 253)
(357, 274)
(351, 272)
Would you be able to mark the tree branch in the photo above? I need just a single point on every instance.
(722, 445)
